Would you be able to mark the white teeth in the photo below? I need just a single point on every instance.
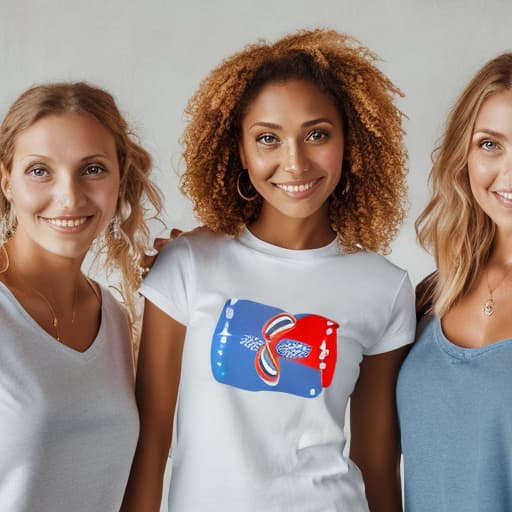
(296, 188)
(505, 195)
(67, 223)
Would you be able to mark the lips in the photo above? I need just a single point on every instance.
(293, 189)
(504, 195)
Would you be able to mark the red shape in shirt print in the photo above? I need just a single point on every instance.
(308, 339)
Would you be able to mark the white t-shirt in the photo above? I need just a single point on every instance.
(68, 419)
(272, 351)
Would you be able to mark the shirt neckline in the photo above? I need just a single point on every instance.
(464, 353)
(248, 239)
(49, 339)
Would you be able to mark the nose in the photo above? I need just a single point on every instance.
(69, 194)
(295, 161)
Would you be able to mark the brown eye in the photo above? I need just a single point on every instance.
(94, 170)
(316, 135)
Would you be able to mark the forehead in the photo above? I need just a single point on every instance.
(496, 112)
(292, 99)
(65, 134)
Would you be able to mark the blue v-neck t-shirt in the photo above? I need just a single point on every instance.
(455, 411)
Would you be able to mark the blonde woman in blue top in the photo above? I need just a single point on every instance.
(454, 387)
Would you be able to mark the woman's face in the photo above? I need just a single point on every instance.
(292, 146)
(64, 184)
(490, 159)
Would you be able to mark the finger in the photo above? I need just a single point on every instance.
(160, 243)
(146, 263)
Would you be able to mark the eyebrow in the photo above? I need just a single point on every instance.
(487, 131)
(98, 155)
(85, 158)
(307, 124)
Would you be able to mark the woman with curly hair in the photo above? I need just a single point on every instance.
(455, 413)
(273, 317)
(70, 173)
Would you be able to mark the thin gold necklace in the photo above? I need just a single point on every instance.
(55, 320)
(489, 306)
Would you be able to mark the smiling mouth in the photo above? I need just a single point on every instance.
(505, 195)
(67, 223)
(303, 187)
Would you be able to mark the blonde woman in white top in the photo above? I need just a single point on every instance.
(70, 174)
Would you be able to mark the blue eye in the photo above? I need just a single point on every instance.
(94, 170)
(39, 172)
(488, 145)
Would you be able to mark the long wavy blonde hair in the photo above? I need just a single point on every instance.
(123, 255)
(453, 227)
(368, 204)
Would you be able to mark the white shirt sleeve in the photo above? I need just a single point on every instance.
(168, 283)
(401, 326)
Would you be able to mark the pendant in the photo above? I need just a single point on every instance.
(489, 307)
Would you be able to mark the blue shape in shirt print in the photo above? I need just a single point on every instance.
(263, 348)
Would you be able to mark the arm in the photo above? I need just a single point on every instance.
(156, 390)
(375, 438)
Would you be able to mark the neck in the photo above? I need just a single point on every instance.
(502, 251)
(54, 276)
(292, 233)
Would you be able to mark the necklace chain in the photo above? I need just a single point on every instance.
(55, 319)
(489, 306)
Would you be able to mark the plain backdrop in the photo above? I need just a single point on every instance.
(152, 55)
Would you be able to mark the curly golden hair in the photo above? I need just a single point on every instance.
(368, 205)
(124, 255)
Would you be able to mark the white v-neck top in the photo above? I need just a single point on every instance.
(68, 419)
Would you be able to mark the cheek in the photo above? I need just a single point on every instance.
(481, 173)
(26, 198)
(332, 161)
(109, 200)
(260, 165)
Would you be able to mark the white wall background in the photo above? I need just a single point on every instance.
(151, 55)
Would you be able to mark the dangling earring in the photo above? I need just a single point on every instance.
(4, 229)
(239, 190)
(7, 224)
(115, 227)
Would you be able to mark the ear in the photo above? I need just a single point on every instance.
(5, 181)
(241, 152)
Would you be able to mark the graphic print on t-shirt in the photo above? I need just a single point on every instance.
(263, 348)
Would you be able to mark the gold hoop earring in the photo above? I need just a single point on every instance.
(241, 194)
